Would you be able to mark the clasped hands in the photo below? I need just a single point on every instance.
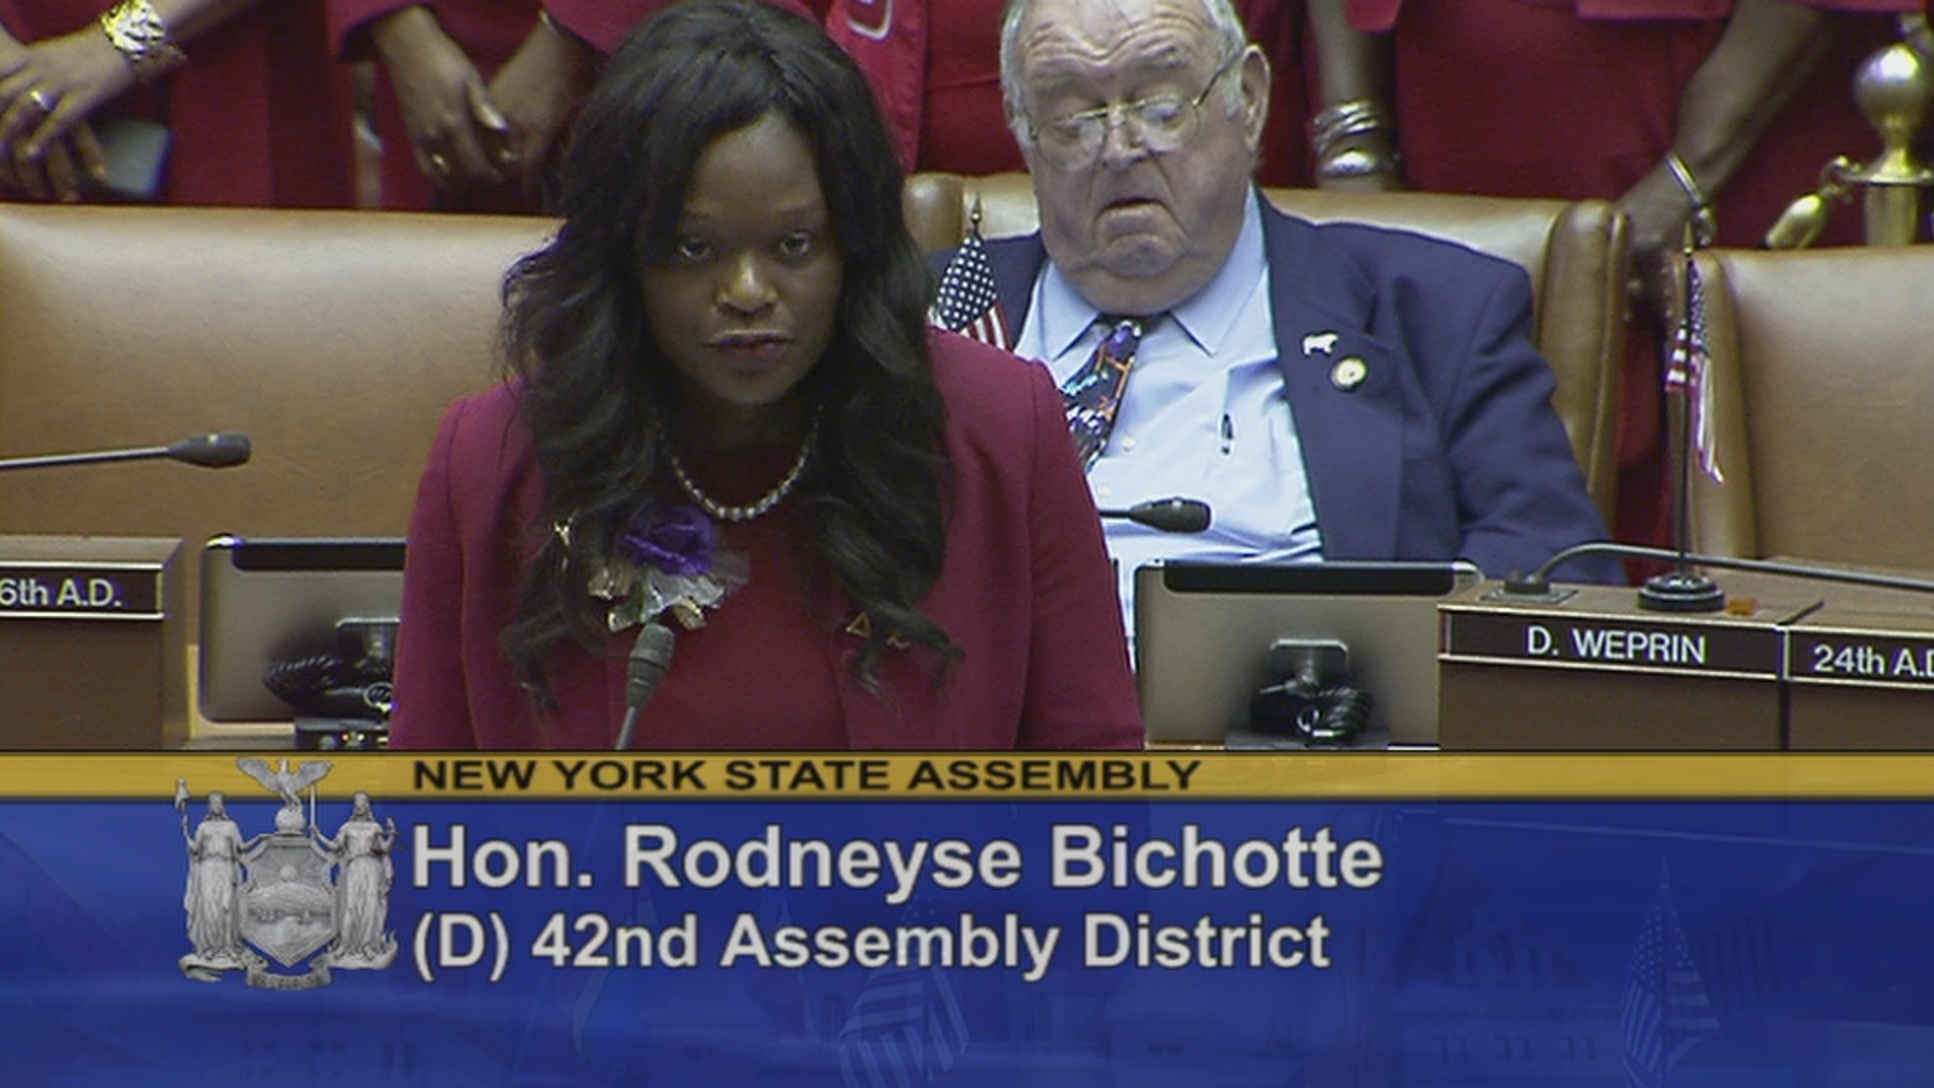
(469, 135)
(47, 92)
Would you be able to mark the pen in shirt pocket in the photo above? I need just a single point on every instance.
(1228, 433)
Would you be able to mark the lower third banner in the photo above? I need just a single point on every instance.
(289, 922)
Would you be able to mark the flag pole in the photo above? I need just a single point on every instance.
(1683, 589)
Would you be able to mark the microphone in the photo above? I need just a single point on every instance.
(650, 656)
(1538, 583)
(221, 450)
(1170, 515)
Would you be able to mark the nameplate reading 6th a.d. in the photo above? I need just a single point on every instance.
(66, 591)
(1704, 648)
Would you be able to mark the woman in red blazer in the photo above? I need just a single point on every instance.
(731, 429)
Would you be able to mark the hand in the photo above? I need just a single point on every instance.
(1769, 49)
(452, 123)
(1658, 212)
(47, 90)
(538, 89)
(60, 172)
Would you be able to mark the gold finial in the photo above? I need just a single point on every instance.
(1893, 89)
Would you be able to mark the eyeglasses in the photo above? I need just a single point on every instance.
(1164, 122)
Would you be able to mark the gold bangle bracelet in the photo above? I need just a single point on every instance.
(137, 31)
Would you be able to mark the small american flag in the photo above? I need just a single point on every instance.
(905, 1028)
(1688, 372)
(1666, 1010)
(967, 302)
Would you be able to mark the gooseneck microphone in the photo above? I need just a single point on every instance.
(1170, 515)
(1538, 583)
(650, 656)
(223, 450)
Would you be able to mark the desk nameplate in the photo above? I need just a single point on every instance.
(1615, 643)
(1856, 657)
(1595, 671)
(92, 655)
(1860, 675)
(31, 590)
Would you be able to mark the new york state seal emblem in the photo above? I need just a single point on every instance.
(287, 906)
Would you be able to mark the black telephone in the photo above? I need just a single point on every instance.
(348, 687)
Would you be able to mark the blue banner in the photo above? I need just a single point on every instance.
(286, 932)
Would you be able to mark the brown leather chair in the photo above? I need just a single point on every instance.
(334, 340)
(1575, 252)
(1822, 375)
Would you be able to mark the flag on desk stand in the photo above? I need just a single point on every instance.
(905, 1028)
(1666, 1011)
(780, 991)
(967, 302)
(1688, 372)
(590, 1013)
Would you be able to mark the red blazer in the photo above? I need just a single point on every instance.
(1025, 592)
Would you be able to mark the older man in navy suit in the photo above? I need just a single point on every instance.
(1336, 392)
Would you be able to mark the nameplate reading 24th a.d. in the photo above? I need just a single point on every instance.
(1885, 659)
(66, 591)
(1612, 642)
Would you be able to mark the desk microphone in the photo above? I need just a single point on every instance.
(650, 656)
(1537, 585)
(1171, 515)
(206, 450)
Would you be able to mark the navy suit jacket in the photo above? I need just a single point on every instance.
(1449, 447)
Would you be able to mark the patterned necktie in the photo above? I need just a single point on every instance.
(1093, 393)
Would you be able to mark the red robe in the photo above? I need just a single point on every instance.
(489, 31)
(260, 114)
(1580, 99)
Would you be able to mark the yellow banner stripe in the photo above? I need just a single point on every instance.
(1147, 776)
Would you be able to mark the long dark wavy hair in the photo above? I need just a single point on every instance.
(598, 393)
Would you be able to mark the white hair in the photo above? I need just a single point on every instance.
(1229, 32)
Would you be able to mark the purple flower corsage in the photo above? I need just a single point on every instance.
(666, 559)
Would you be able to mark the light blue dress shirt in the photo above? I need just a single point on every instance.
(1204, 416)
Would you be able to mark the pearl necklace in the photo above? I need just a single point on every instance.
(765, 503)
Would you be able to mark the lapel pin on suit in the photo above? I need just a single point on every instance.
(1314, 342)
(1349, 372)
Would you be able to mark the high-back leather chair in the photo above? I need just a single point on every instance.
(1822, 389)
(1574, 251)
(333, 340)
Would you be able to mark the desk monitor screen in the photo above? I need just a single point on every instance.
(264, 602)
(1203, 632)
